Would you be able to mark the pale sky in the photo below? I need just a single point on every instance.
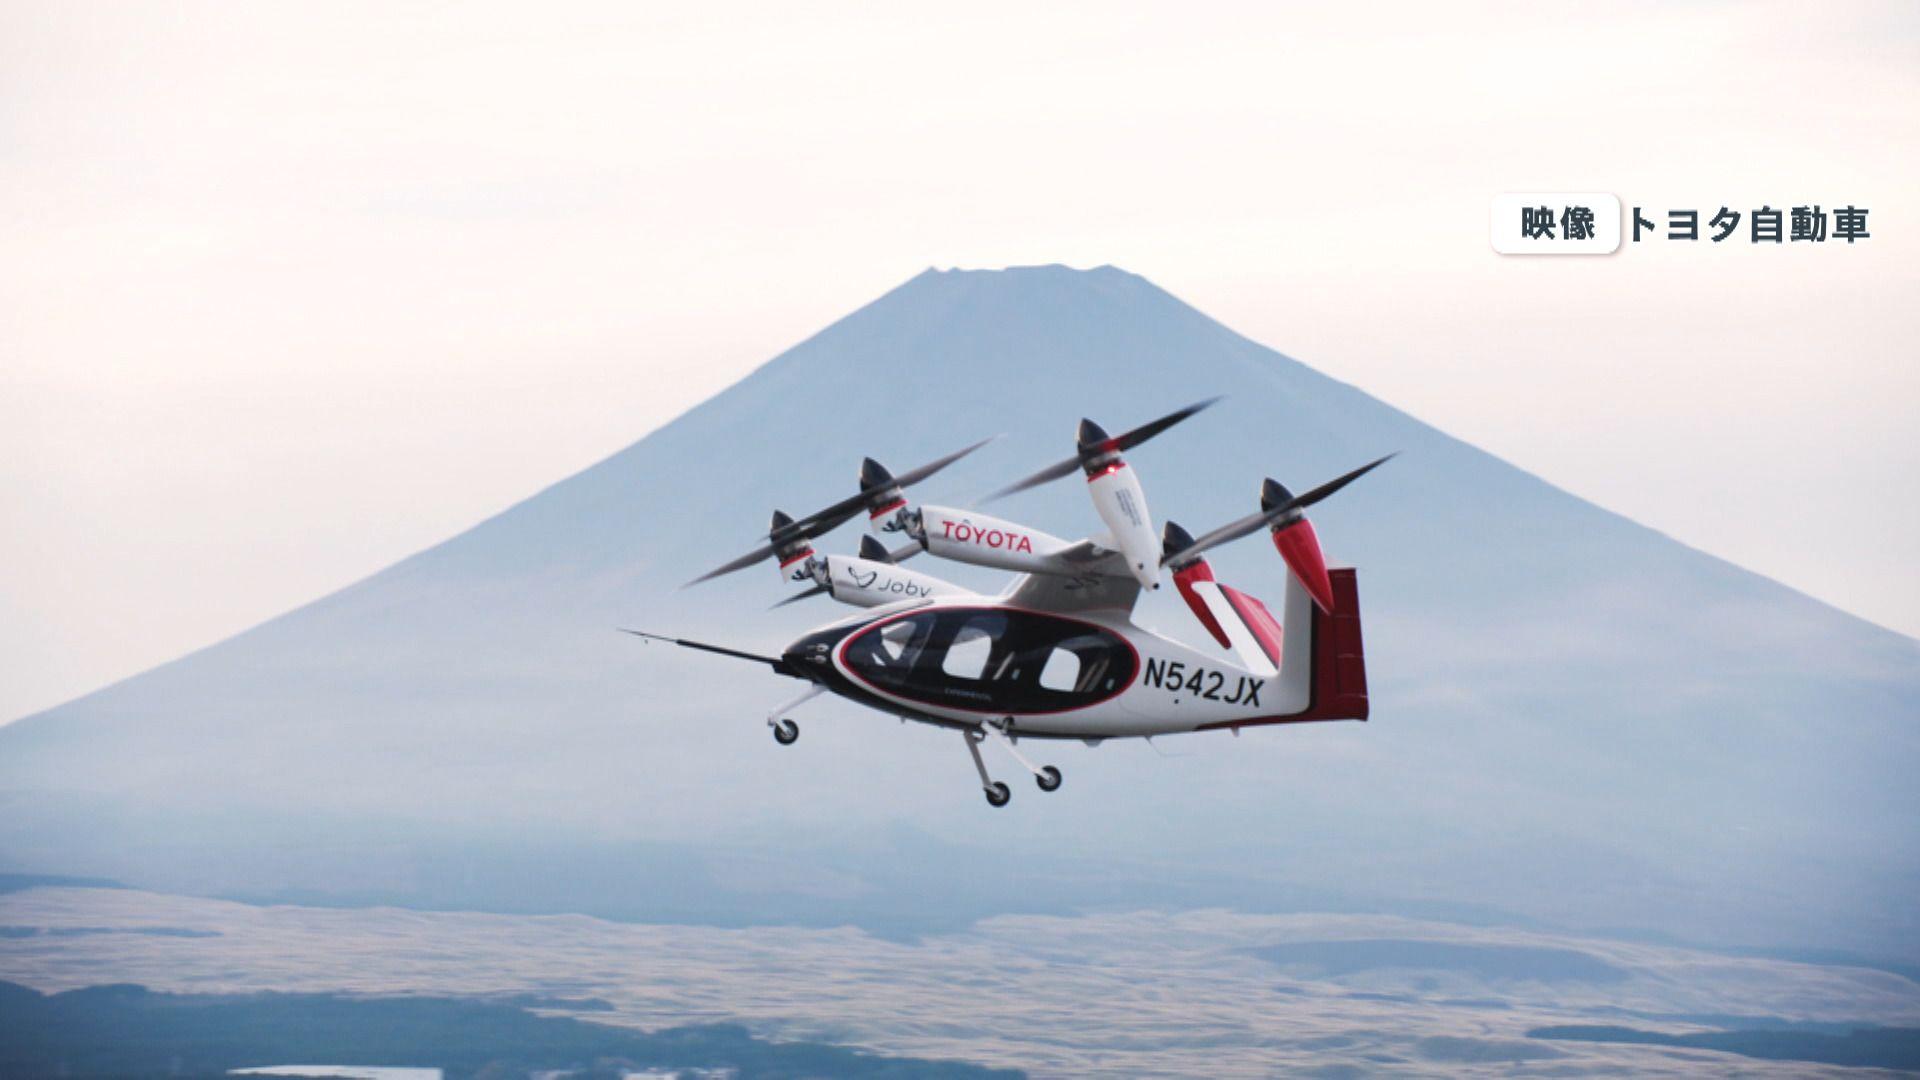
(288, 292)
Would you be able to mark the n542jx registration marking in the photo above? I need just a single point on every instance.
(1178, 677)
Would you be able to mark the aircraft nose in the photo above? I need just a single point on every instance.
(809, 657)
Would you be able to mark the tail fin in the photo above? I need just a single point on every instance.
(1323, 666)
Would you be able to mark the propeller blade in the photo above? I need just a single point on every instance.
(1224, 534)
(1130, 439)
(1044, 476)
(785, 530)
(781, 532)
(741, 563)
(833, 516)
(1276, 503)
(915, 476)
(1094, 441)
(1337, 483)
(799, 596)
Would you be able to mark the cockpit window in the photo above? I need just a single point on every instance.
(895, 639)
(993, 660)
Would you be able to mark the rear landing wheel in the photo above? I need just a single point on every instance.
(1048, 778)
(998, 794)
(785, 732)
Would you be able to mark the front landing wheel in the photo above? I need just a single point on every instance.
(785, 732)
(1048, 778)
(998, 794)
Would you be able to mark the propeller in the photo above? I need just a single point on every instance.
(783, 535)
(878, 487)
(1094, 443)
(816, 590)
(1278, 507)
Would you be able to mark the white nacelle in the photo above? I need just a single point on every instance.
(867, 583)
(972, 537)
(1123, 506)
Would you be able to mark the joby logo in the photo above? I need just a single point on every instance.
(871, 581)
(999, 539)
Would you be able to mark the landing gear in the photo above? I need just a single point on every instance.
(1046, 776)
(998, 794)
(786, 731)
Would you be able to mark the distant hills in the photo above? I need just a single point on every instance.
(209, 1034)
(1576, 720)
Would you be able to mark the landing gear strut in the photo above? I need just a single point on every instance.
(998, 794)
(786, 731)
(1046, 776)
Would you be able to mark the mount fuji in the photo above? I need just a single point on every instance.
(1576, 721)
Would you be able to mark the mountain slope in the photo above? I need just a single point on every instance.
(1576, 719)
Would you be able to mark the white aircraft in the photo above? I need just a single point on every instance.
(1057, 655)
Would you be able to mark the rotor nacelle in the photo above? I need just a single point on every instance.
(1120, 501)
(1297, 543)
(1115, 489)
(1189, 571)
(868, 582)
(1283, 515)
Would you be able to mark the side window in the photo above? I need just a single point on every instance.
(894, 641)
(967, 656)
(1062, 671)
(1095, 664)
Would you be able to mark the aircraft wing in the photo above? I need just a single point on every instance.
(1099, 581)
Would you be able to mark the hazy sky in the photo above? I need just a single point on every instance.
(290, 291)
